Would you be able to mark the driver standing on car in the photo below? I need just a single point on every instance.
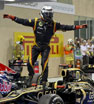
(44, 28)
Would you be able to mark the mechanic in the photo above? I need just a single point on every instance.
(18, 53)
(69, 51)
(44, 28)
(18, 56)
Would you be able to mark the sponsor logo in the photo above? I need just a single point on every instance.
(41, 93)
(5, 87)
(40, 24)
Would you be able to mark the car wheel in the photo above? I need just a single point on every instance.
(51, 99)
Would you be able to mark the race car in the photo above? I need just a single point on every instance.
(5, 79)
(38, 95)
(79, 82)
(76, 89)
(84, 92)
(9, 80)
(75, 75)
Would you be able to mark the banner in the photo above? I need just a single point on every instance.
(56, 44)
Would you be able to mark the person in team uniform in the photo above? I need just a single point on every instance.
(69, 52)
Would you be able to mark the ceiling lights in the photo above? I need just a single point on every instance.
(9, 0)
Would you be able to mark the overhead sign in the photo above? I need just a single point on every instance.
(57, 7)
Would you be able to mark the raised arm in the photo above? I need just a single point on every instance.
(69, 27)
(25, 22)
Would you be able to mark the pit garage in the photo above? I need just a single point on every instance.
(69, 77)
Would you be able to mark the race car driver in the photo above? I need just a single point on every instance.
(44, 28)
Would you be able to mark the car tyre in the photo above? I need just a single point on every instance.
(51, 99)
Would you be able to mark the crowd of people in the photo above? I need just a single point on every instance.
(86, 49)
(79, 49)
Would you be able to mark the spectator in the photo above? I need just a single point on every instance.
(90, 52)
(84, 52)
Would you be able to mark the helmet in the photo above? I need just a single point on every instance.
(20, 38)
(47, 13)
(70, 41)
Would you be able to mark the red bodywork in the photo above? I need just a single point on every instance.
(6, 68)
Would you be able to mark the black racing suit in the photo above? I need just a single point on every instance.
(43, 32)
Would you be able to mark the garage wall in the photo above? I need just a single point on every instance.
(84, 8)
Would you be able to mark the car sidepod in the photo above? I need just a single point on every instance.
(84, 96)
(89, 97)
